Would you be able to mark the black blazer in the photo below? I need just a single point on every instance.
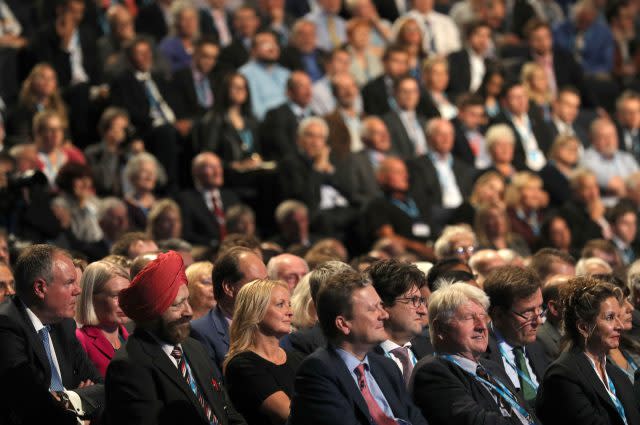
(580, 132)
(199, 225)
(375, 98)
(583, 228)
(534, 352)
(208, 26)
(216, 134)
(461, 148)
(291, 58)
(26, 374)
(460, 73)
(150, 21)
(446, 394)
(572, 393)
(278, 132)
(401, 144)
(555, 184)
(387, 9)
(424, 181)
(145, 387)
(540, 131)
(427, 106)
(326, 393)
(185, 96)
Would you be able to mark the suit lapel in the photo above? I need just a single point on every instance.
(347, 382)
(583, 364)
(99, 341)
(220, 325)
(386, 386)
(204, 378)
(33, 337)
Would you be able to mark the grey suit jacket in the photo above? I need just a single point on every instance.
(549, 337)
(362, 177)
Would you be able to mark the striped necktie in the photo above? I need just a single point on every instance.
(185, 371)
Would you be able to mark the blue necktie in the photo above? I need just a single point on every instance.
(56, 381)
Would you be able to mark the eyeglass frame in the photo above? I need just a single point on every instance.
(541, 315)
(413, 300)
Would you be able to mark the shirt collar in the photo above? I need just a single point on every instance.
(467, 365)
(142, 76)
(37, 323)
(389, 345)
(350, 360)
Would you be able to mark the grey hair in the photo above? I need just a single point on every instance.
(133, 167)
(308, 122)
(107, 204)
(442, 247)
(286, 208)
(584, 264)
(499, 132)
(444, 302)
(633, 277)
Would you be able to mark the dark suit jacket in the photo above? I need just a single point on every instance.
(424, 179)
(580, 132)
(540, 131)
(583, 228)
(26, 374)
(555, 184)
(145, 387)
(129, 93)
(426, 106)
(572, 393)
(215, 133)
(339, 137)
(447, 394)
(185, 96)
(291, 58)
(375, 98)
(387, 9)
(278, 132)
(208, 26)
(363, 178)
(199, 225)
(401, 144)
(212, 330)
(549, 337)
(46, 47)
(534, 352)
(460, 73)
(306, 341)
(150, 20)
(420, 347)
(325, 392)
(234, 55)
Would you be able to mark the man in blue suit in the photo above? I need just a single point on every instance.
(231, 272)
(344, 383)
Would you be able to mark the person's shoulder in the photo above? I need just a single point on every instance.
(202, 322)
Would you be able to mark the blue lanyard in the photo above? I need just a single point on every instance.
(501, 389)
(410, 207)
(520, 373)
(616, 401)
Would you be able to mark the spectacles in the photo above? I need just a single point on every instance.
(464, 249)
(415, 300)
(531, 315)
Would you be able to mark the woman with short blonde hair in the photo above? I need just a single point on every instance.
(200, 287)
(304, 310)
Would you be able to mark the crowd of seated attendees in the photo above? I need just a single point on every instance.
(320, 211)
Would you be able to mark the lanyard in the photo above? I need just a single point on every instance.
(520, 373)
(500, 388)
(410, 207)
(616, 401)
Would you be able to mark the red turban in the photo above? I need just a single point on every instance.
(154, 288)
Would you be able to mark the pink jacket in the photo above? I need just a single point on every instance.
(98, 348)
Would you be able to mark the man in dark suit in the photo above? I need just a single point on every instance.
(44, 368)
(245, 26)
(470, 145)
(457, 386)
(343, 382)
(195, 86)
(438, 176)
(216, 21)
(151, 19)
(204, 206)
(628, 123)
(377, 94)
(230, 273)
(564, 112)
(398, 285)
(533, 137)
(468, 65)
(278, 130)
(516, 314)
(147, 97)
(549, 334)
(344, 121)
(162, 376)
(302, 53)
(405, 124)
(362, 165)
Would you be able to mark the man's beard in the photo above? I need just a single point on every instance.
(174, 332)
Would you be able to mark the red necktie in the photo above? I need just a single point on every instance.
(219, 214)
(379, 417)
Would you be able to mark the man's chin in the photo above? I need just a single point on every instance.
(176, 334)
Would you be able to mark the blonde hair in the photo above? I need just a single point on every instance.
(560, 142)
(250, 308)
(159, 208)
(513, 192)
(499, 132)
(94, 278)
(526, 75)
(484, 179)
(302, 305)
(55, 102)
(444, 302)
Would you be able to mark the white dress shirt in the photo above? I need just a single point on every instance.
(442, 28)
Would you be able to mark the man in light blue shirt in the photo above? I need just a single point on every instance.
(330, 27)
(267, 80)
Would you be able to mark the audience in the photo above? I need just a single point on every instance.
(200, 287)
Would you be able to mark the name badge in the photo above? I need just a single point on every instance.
(421, 230)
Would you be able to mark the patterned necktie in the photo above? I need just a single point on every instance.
(528, 391)
(402, 354)
(482, 373)
(186, 374)
(219, 214)
(376, 412)
(56, 381)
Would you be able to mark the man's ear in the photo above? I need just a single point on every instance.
(40, 288)
(343, 325)
(227, 288)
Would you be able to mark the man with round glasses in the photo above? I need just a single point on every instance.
(516, 314)
(398, 285)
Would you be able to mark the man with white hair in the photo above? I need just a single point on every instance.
(609, 164)
(483, 262)
(288, 268)
(456, 241)
(310, 177)
(292, 218)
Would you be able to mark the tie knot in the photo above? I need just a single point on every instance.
(176, 353)
(518, 351)
(402, 352)
(481, 372)
(359, 370)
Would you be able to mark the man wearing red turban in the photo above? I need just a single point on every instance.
(162, 375)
